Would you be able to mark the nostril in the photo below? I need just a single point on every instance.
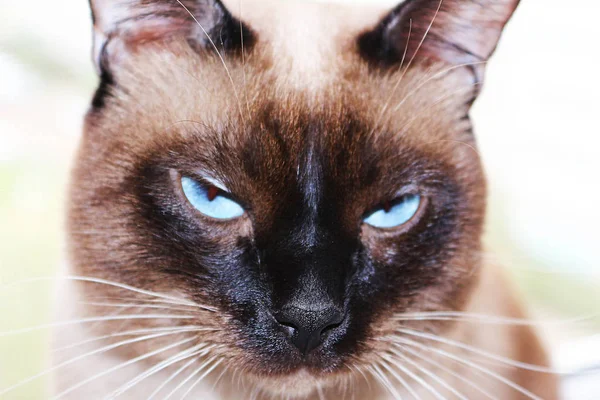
(288, 328)
(334, 323)
(307, 329)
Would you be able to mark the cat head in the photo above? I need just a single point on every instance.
(304, 173)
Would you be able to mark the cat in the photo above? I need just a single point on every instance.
(284, 200)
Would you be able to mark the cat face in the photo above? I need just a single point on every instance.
(320, 138)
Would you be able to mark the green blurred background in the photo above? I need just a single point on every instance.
(537, 124)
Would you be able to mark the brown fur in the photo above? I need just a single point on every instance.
(172, 97)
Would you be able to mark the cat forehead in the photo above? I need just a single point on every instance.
(305, 58)
(308, 41)
(174, 93)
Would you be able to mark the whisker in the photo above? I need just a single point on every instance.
(438, 101)
(131, 333)
(478, 367)
(320, 392)
(93, 319)
(380, 376)
(173, 376)
(362, 373)
(218, 54)
(208, 371)
(243, 60)
(88, 354)
(145, 301)
(487, 319)
(346, 385)
(190, 377)
(399, 378)
(183, 355)
(470, 146)
(112, 314)
(138, 305)
(179, 301)
(495, 357)
(449, 371)
(254, 394)
(431, 375)
(122, 365)
(395, 88)
(221, 375)
(435, 76)
(415, 377)
(420, 43)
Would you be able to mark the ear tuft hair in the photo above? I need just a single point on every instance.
(136, 22)
(452, 31)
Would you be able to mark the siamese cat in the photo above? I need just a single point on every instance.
(283, 200)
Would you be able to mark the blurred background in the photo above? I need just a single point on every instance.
(538, 126)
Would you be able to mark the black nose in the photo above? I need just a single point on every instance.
(306, 329)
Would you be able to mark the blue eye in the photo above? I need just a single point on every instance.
(209, 202)
(399, 213)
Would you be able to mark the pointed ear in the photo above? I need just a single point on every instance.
(452, 31)
(135, 22)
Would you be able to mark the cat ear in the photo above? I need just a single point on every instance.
(453, 31)
(135, 22)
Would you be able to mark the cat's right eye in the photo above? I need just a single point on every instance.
(210, 200)
(395, 214)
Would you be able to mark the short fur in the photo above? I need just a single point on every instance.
(309, 129)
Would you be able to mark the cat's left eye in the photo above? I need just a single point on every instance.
(398, 213)
(210, 200)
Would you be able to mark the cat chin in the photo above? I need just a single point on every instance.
(298, 385)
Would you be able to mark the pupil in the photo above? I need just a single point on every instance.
(387, 206)
(212, 193)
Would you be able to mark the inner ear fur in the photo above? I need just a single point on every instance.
(452, 31)
(121, 25)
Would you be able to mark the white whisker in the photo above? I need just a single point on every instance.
(122, 365)
(243, 60)
(254, 394)
(362, 373)
(389, 100)
(93, 319)
(183, 355)
(486, 319)
(190, 377)
(421, 42)
(100, 281)
(130, 333)
(450, 372)
(495, 357)
(438, 101)
(88, 354)
(193, 306)
(170, 378)
(415, 377)
(208, 371)
(486, 371)
(218, 54)
(399, 378)
(380, 376)
(429, 374)
(221, 375)
(437, 11)
(136, 305)
(320, 392)
(113, 314)
(181, 384)
(435, 76)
